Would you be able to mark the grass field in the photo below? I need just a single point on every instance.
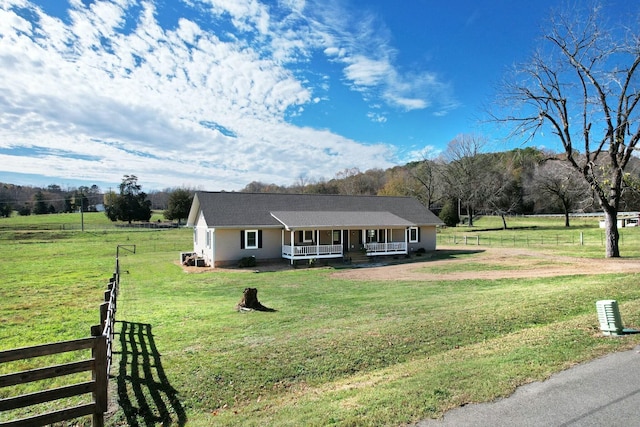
(336, 352)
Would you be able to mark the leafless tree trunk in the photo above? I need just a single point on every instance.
(558, 182)
(465, 170)
(584, 90)
(425, 173)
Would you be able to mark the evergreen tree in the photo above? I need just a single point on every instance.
(449, 214)
(131, 204)
(40, 205)
(179, 205)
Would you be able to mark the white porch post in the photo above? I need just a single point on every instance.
(406, 239)
(386, 240)
(364, 237)
(293, 249)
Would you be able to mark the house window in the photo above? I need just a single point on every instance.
(372, 236)
(208, 234)
(251, 239)
(413, 235)
(195, 236)
(307, 236)
(336, 237)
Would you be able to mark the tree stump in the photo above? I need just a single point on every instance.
(250, 301)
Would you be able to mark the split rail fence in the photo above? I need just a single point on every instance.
(98, 363)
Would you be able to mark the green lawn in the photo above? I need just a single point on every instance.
(336, 352)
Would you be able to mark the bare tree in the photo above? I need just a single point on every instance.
(300, 184)
(427, 175)
(557, 182)
(463, 174)
(585, 89)
(398, 182)
(347, 181)
(501, 191)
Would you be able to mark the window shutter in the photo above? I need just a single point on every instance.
(418, 234)
(241, 239)
(300, 236)
(259, 239)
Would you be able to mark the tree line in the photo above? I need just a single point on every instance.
(127, 204)
(463, 179)
(27, 200)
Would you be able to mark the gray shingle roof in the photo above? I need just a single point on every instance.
(230, 209)
(328, 219)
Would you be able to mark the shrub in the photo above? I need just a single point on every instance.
(449, 214)
(248, 261)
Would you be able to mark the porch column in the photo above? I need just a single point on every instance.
(406, 239)
(386, 240)
(293, 249)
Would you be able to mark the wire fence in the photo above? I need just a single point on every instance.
(541, 238)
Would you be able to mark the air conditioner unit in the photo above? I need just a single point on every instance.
(609, 317)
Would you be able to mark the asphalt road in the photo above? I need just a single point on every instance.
(603, 392)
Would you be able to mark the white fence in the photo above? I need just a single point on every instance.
(311, 251)
(386, 248)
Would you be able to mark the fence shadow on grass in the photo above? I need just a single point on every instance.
(144, 392)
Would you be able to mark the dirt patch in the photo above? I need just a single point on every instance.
(453, 263)
(260, 268)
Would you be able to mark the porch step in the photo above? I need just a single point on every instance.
(357, 257)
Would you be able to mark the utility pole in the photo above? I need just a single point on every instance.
(82, 213)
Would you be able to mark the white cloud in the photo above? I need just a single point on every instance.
(376, 118)
(89, 99)
(363, 71)
(428, 152)
(361, 42)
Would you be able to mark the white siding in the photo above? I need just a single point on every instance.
(200, 231)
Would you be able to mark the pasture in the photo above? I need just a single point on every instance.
(343, 348)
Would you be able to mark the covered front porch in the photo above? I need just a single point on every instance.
(317, 235)
(319, 244)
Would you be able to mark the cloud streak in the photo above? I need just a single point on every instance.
(111, 89)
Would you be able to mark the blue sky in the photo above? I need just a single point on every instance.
(214, 94)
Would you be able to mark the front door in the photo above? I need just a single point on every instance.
(345, 241)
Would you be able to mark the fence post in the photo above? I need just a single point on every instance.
(99, 375)
(104, 309)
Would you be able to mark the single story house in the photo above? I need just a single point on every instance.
(228, 226)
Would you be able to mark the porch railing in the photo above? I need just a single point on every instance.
(310, 251)
(389, 247)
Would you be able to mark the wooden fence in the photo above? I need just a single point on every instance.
(99, 364)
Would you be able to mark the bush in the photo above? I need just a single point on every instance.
(248, 261)
(449, 214)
